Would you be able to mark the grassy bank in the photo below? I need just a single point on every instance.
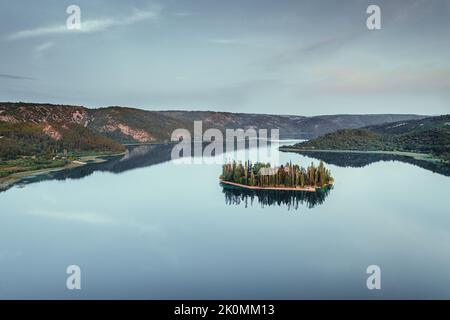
(25, 164)
(414, 155)
(12, 171)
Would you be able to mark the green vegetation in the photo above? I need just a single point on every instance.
(142, 126)
(289, 175)
(28, 164)
(48, 140)
(426, 136)
(26, 146)
(130, 125)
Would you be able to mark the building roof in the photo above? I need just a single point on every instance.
(268, 171)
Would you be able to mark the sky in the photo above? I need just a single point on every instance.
(256, 56)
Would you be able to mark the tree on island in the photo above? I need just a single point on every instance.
(288, 175)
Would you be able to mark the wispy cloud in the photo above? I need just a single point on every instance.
(40, 49)
(404, 80)
(15, 77)
(182, 14)
(307, 52)
(225, 41)
(87, 26)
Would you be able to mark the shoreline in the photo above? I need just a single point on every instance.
(307, 189)
(148, 143)
(414, 155)
(14, 178)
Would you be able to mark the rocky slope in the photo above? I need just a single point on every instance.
(128, 125)
(49, 138)
(125, 125)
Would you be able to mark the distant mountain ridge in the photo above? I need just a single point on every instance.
(129, 125)
(290, 126)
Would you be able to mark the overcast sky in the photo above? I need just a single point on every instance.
(281, 57)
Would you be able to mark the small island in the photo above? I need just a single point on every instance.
(262, 176)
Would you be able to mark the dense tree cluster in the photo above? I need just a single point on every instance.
(263, 175)
(429, 136)
(30, 139)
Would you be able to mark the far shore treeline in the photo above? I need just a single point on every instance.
(288, 175)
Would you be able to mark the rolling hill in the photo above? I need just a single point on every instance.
(27, 139)
(129, 125)
(428, 136)
(290, 126)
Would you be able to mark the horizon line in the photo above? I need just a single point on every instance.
(214, 111)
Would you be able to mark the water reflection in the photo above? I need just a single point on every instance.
(290, 199)
(136, 156)
(359, 160)
(148, 155)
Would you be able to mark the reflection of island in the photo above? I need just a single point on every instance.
(362, 159)
(291, 199)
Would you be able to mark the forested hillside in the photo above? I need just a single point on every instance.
(27, 139)
(430, 135)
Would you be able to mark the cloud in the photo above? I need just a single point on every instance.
(87, 26)
(182, 14)
(40, 49)
(225, 41)
(15, 77)
(306, 53)
(402, 80)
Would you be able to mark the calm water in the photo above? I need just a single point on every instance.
(146, 228)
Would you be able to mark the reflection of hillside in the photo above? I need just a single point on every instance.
(359, 160)
(138, 156)
(135, 157)
(291, 199)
